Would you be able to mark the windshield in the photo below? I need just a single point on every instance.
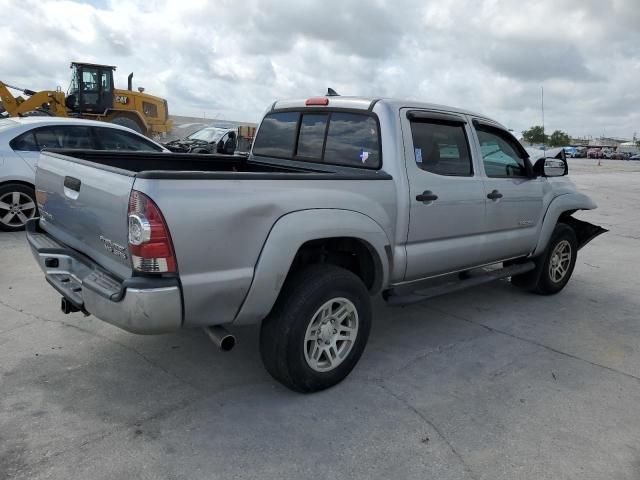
(209, 134)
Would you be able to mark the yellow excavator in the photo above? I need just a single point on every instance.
(92, 95)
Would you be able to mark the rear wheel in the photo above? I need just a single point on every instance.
(17, 205)
(318, 328)
(127, 122)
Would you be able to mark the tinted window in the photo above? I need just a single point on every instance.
(352, 140)
(311, 136)
(500, 156)
(277, 135)
(48, 137)
(112, 139)
(441, 148)
(76, 137)
(25, 143)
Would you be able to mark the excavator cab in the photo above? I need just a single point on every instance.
(91, 89)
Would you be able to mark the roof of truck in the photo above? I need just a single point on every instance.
(367, 103)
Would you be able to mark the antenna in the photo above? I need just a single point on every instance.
(544, 144)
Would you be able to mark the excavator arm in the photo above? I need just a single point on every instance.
(51, 101)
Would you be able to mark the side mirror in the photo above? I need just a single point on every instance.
(551, 167)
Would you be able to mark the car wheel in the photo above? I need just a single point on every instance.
(318, 328)
(17, 205)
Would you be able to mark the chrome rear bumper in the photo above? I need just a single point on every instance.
(146, 305)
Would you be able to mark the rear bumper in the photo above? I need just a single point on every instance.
(139, 304)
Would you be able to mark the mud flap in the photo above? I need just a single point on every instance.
(585, 231)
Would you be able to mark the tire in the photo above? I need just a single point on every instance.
(301, 356)
(127, 122)
(17, 205)
(554, 268)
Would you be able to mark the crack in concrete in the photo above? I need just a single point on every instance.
(538, 344)
(432, 425)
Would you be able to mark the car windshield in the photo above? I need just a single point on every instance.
(209, 134)
(5, 124)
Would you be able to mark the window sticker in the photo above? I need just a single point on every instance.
(364, 155)
(418, 155)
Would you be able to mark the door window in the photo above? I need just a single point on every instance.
(500, 156)
(441, 148)
(112, 139)
(76, 137)
(48, 137)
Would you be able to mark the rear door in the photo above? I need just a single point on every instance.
(447, 200)
(85, 207)
(514, 197)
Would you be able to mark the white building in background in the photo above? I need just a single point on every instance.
(629, 147)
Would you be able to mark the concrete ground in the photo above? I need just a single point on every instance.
(490, 383)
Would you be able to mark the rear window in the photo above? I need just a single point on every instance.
(352, 140)
(277, 136)
(338, 138)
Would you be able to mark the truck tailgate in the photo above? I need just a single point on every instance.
(85, 207)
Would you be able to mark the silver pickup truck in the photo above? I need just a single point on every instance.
(341, 199)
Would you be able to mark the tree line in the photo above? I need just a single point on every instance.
(535, 135)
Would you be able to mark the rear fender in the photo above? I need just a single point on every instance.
(560, 209)
(288, 234)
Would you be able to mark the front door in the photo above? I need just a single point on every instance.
(514, 196)
(447, 198)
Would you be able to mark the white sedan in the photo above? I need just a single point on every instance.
(21, 140)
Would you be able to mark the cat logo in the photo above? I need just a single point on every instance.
(123, 99)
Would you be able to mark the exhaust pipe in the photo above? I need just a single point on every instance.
(67, 307)
(130, 82)
(221, 337)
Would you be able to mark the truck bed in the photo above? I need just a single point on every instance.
(159, 165)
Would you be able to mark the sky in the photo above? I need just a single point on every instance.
(231, 59)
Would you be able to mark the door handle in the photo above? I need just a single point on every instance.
(426, 196)
(494, 195)
(72, 183)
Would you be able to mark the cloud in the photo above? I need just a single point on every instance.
(231, 59)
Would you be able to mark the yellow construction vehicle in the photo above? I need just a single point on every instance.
(92, 95)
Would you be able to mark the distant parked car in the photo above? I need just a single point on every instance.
(595, 153)
(581, 152)
(570, 152)
(21, 140)
(207, 140)
(635, 157)
(619, 156)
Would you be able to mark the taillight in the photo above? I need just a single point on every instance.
(149, 240)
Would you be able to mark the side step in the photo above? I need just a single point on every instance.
(471, 280)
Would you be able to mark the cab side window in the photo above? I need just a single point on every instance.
(441, 148)
(500, 156)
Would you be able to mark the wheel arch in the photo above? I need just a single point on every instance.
(134, 115)
(561, 209)
(19, 182)
(342, 237)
